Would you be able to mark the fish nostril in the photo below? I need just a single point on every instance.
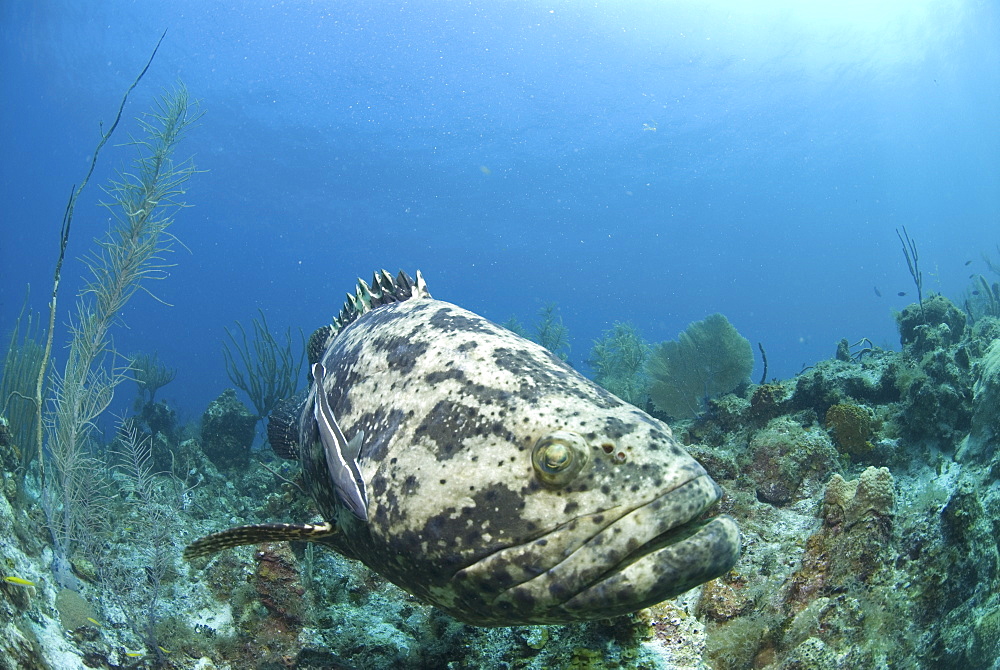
(607, 447)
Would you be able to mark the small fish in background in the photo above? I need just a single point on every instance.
(976, 292)
(18, 581)
(901, 294)
(968, 263)
(877, 292)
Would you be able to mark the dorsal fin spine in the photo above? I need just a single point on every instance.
(384, 290)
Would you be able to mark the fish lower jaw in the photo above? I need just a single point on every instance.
(671, 564)
(654, 552)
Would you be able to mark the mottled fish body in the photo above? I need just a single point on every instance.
(480, 473)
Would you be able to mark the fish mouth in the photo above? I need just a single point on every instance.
(666, 566)
(636, 558)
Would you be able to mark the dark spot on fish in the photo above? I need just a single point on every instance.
(448, 320)
(615, 428)
(549, 376)
(382, 426)
(559, 591)
(472, 536)
(525, 600)
(456, 537)
(378, 486)
(438, 376)
(450, 423)
(401, 353)
(468, 346)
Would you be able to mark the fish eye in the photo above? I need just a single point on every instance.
(558, 458)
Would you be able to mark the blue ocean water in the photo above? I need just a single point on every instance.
(648, 162)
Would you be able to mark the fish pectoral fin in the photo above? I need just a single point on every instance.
(283, 427)
(257, 533)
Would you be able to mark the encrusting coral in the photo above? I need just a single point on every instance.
(853, 427)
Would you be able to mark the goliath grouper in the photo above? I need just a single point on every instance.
(475, 470)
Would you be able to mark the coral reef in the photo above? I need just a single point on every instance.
(853, 543)
(866, 489)
(935, 324)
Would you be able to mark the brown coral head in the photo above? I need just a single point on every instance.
(852, 427)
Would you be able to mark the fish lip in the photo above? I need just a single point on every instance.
(668, 518)
(675, 533)
(597, 579)
(701, 549)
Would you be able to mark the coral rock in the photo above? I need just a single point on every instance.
(939, 323)
(767, 402)
(787, 460)
(981, 442)
(854, 542)
(724, 598)
(277, 583)
(851, 501)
